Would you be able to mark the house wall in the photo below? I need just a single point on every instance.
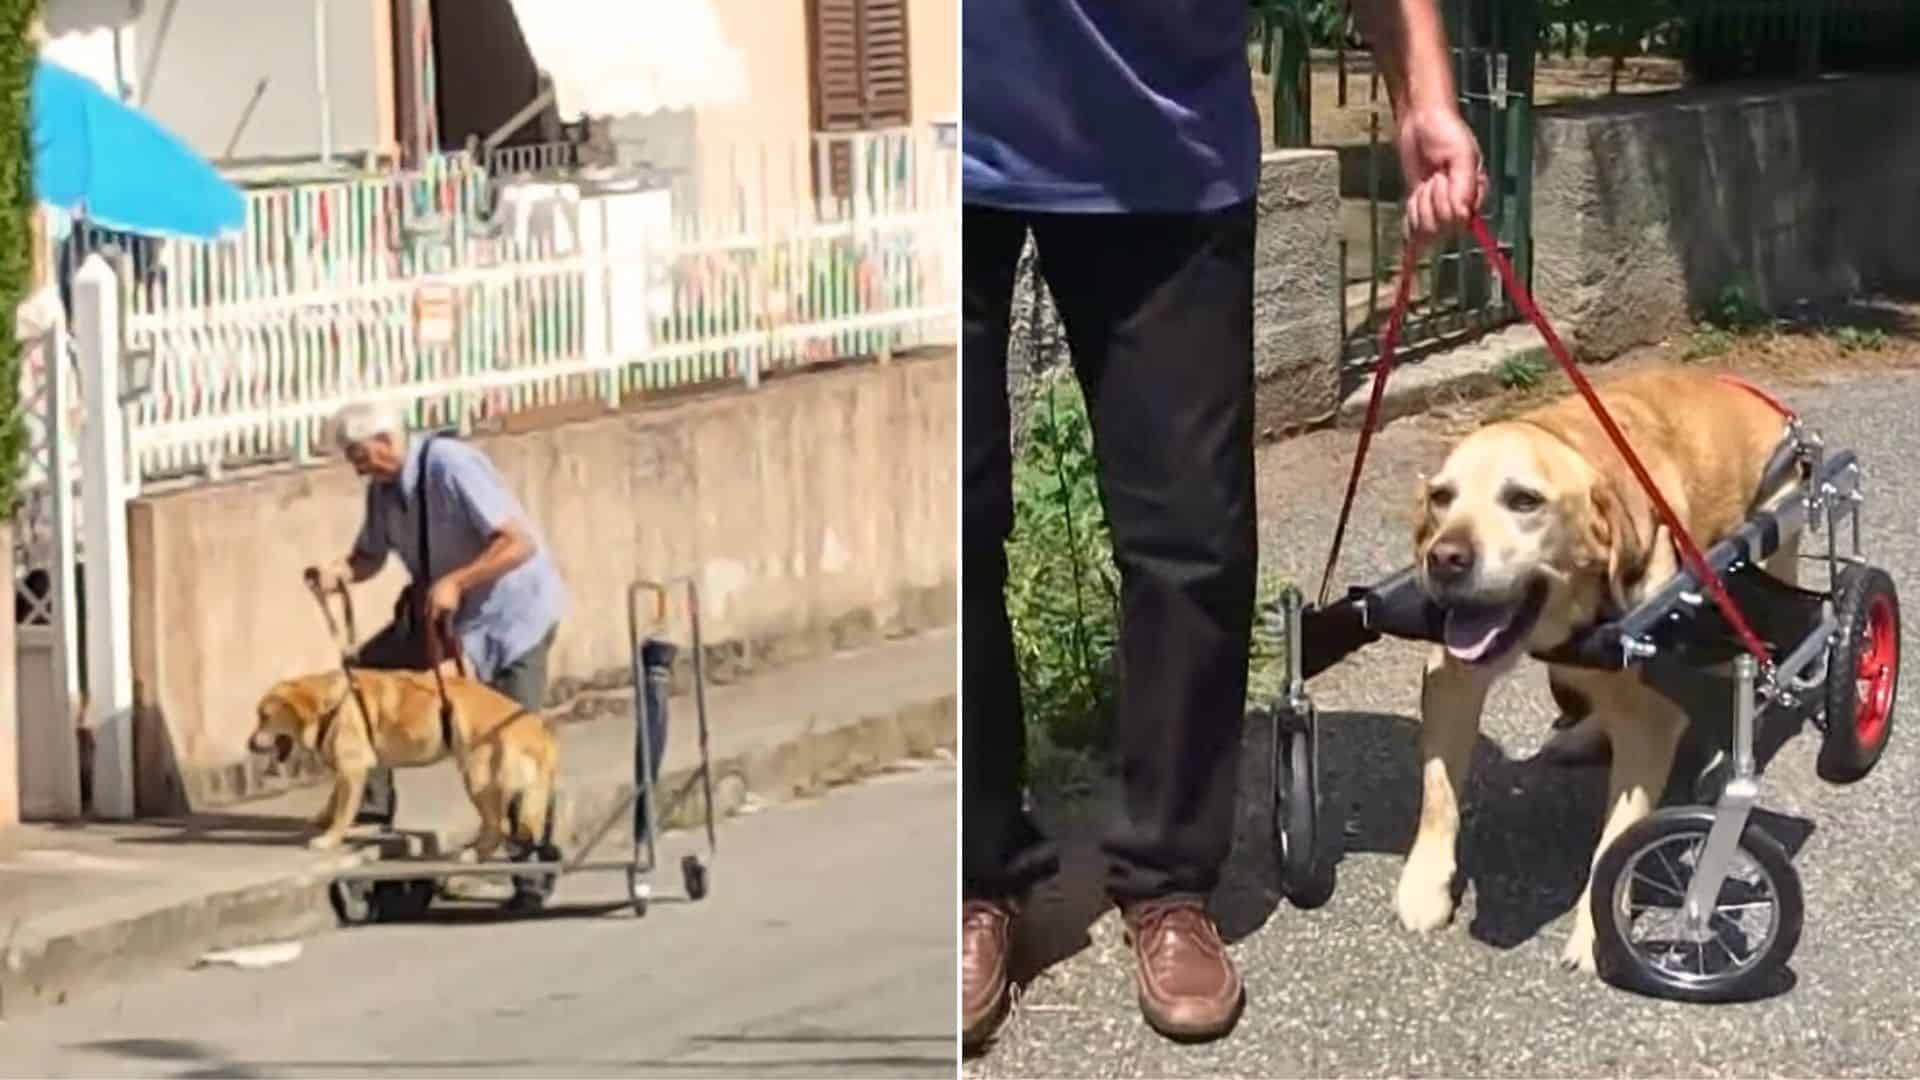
(196, 67)
(776, 118)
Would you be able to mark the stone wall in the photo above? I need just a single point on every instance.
(1647, 207)
(1296, 300)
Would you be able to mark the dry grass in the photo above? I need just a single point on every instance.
(1882, 334)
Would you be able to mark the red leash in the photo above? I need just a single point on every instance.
(1689, 551)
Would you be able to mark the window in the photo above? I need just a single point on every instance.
(860, 81)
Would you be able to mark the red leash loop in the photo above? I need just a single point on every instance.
(1689, 551)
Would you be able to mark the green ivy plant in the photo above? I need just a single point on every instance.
(17, 52)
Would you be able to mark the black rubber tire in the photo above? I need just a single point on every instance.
(1306, 875)
(403, 901)
(1623, 966)
(1864, 600)
(693, 875)
(353, 902)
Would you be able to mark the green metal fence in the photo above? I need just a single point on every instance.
(1721, 40)
(1455, 294)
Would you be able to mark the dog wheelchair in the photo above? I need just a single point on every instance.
(401, 888)
(1667, 906)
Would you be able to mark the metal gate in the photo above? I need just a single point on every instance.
(47, 619)
(74, 674)
(1455, 294)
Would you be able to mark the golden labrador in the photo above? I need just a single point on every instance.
(506, 754)
(1533, 529)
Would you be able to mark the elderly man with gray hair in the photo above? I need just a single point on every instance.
(476, 557)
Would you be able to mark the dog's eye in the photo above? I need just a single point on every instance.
(1440, 497)
(1522, 501)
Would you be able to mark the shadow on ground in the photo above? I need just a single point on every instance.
(1527, 834)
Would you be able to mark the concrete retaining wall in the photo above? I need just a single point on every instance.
(1296, 297)
(1647, 207)
(1296, 291)
(815, 512)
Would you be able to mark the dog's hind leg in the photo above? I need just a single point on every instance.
(1644, 726)
(493, 814)
(349, 787)
(1452, 695)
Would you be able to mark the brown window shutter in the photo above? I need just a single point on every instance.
(883, 63)
(861, 78)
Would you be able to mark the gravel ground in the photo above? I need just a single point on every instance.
(1343, 990)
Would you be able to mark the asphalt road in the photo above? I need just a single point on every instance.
(826, 948)
(1344, 991)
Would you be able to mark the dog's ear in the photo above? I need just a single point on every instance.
(1422, 516)
(308, 699)
(1617, 541)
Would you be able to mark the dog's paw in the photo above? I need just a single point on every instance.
(1578, 955)
(1424, 901)
(324, 842)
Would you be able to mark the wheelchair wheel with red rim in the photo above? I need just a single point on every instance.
(1863, 675)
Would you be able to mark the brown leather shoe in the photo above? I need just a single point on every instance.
(1189, 988)
(983, 968)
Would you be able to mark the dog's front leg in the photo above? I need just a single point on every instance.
(1452, 695)
(325, 817)
(1645, 728)
(349, 786)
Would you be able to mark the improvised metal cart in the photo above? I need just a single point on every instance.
(1669, 911)
(398, 888)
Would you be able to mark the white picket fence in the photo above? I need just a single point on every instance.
(330, 297)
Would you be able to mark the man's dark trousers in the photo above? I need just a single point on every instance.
(394, 649)
(1158, 311)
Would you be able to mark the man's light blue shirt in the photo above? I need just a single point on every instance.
(467, 503)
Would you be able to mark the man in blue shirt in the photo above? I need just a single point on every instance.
(1122, 134)
(489, 569)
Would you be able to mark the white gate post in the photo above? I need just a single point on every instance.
(104, 492)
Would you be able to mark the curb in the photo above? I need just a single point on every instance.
(1465, 373)
(43, 970)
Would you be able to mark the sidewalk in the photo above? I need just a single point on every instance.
(83, 906)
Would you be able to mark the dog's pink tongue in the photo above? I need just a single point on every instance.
(1470, 632)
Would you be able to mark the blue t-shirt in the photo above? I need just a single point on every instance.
(467, 502)
(1093, 106)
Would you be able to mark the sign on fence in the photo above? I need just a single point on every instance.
(433, 315)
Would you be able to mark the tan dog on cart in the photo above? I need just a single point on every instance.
(1533, 529)
(355, 719)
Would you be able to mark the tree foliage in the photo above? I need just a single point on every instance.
(17, 51)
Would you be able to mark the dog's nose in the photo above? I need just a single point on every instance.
(1449, 561)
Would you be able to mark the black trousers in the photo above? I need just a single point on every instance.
(1158, 311)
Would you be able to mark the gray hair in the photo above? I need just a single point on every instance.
(362, 420)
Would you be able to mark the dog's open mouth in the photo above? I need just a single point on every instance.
(1477, 633)
(278, 747)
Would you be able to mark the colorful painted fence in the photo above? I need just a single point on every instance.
(358, 293)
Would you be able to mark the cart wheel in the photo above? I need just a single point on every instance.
(402, 900)
(353, 902)
(639, 892)
(693, 874)
(1639, 889)
(1863, 674)
(1305, 876)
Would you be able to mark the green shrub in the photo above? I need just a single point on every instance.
(1523, 371)
(1062, 587)
(16, 226)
